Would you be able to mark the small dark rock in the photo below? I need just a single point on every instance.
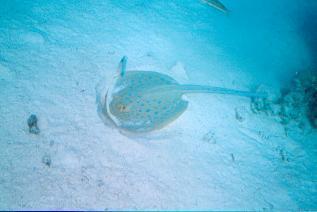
(100, 183)
(32, 123)
(52, 143)
(240, 113)
(46, 159)
(232, 157)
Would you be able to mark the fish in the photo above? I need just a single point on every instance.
(216, 4)
(143, 101)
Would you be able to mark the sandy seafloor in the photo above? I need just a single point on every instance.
(54, 55)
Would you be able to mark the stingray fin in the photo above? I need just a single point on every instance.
(122, 66)
(164, 90)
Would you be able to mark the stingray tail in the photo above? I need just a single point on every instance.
(206, 89)
(218, 90)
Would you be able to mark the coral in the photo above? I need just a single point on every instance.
(268, 104)
(294, 105)
(307, 84)
(312, 110)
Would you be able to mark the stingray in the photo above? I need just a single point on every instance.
(142, 101)
(216, 4)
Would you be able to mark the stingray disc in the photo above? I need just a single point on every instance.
(131, 110)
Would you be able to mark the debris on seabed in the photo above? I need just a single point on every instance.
(32, 123)
(232, 157)
(210, 137)
(46, 159)
(240, 113)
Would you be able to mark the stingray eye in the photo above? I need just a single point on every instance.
(122, 108)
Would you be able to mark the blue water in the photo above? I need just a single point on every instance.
(57, 57)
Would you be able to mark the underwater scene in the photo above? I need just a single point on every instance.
(158, 105)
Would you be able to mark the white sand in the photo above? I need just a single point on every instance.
(54, 54)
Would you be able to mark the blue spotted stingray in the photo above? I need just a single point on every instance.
(142, 101)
